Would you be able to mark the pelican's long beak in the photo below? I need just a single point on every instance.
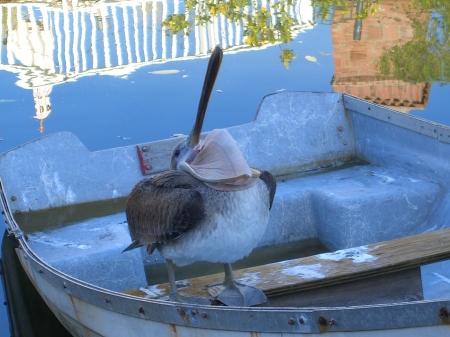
(184, 151)
(210, 78)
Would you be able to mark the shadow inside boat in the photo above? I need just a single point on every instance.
(29, 315)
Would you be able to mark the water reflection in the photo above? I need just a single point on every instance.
(357, 62)
(56, 42)
(385, 52)
(425, 58)
(51, 43)
(42, 104)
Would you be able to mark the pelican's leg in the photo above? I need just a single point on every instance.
(236, 294)
(229, 278)
(173, 291)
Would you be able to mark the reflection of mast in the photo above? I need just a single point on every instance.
(42, 104)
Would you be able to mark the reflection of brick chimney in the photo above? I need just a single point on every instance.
(355, 62)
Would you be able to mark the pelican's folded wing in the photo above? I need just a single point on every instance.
(163, 208)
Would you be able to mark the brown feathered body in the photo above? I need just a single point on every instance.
(189, 221)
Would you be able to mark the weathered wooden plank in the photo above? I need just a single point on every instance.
(396, 287)
(332, 268)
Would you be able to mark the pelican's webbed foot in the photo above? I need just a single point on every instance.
(237, 294)
(233, 293)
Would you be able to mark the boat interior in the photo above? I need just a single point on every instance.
(362, 201)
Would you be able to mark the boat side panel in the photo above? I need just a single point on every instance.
(92, 251)
(297, 131)
(389, 145)
(58, 170)
(415, 146)
(368, 203)
(388, 138)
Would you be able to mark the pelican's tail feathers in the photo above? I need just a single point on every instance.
(135, 244)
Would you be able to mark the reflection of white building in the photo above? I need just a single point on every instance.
(42, 103)
(47, 43)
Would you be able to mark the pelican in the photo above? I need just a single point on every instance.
(210, 206)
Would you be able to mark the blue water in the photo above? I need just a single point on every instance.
(101, 109)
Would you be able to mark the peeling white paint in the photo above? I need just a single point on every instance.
(95, 229)
(384, 178)
(59, 186)
(51, 241)
(70, 196)
(305, 271)
(250, 279)
(358, 254)
(24, 199)
(410, 205)
(152, 291)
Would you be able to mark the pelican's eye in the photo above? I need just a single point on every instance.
(176, 152)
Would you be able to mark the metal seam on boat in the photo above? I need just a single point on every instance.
(393, 117)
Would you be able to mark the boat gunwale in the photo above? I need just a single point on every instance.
(391, 116)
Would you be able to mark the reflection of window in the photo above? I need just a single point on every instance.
(41, 109)
(42, 105)
(99, 22)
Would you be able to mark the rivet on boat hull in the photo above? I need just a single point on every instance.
(322, 321)
(444, 315)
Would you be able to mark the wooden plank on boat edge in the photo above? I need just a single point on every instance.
(329, 268)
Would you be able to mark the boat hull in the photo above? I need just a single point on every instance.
(339, 219)
(88, 311)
